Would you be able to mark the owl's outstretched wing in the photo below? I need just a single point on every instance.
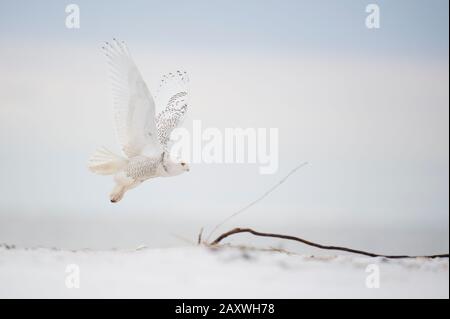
(171, 98)
(133, 104)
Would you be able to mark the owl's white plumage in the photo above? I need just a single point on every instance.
(172, 93)
(142, 135)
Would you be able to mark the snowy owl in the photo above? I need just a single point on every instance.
(143, 135)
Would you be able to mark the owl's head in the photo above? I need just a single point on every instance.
(182, 166)
(176, 167)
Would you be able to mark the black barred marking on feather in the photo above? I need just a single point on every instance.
(141, 167)
(175, 97)
(172, 95)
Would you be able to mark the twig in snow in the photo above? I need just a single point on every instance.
(199, 239)
(350, 250)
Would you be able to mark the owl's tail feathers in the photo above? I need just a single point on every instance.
(105, 162)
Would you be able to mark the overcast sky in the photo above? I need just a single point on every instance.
(368, 109)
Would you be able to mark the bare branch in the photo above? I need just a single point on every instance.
(350, 250)
(199, 238)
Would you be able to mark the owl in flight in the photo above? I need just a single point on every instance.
(142, 134)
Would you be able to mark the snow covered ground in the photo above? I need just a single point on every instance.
(202, 272)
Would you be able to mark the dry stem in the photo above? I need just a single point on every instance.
(350, 250)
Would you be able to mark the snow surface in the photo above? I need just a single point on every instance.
(203, 272)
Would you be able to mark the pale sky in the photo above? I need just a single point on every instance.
(368, 109)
